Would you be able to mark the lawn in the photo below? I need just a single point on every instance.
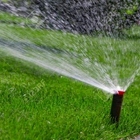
(39, 104)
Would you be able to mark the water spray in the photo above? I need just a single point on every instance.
(116, 106)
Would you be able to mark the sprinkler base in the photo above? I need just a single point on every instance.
(116, 107)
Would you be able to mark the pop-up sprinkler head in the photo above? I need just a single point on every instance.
(121, 92)
(116, 106)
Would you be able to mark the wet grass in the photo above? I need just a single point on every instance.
(38, 104)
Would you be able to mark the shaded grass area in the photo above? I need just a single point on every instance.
(38, 104)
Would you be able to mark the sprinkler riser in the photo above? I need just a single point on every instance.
(116, 108)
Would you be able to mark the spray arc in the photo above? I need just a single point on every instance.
(116, 106)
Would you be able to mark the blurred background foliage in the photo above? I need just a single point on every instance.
(80, 16)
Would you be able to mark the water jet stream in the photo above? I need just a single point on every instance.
(106, 63)
(68, 64)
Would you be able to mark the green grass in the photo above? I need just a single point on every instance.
(37, 104)
(9, 18)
